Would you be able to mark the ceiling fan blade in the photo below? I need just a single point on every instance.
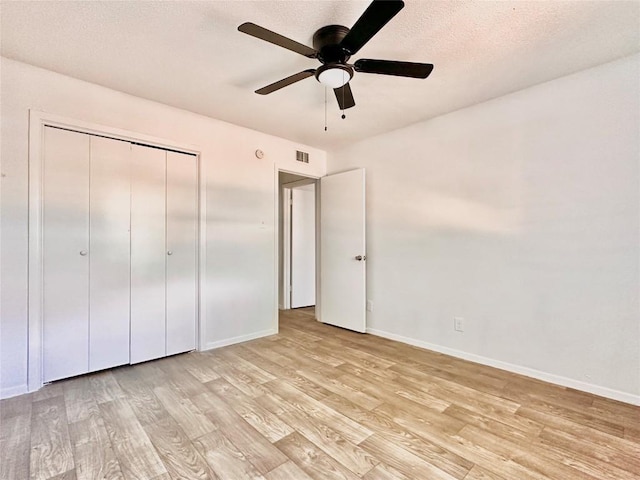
(344, 97)
(277, 39)
(390, 67)
(285, 82)
(370, 22)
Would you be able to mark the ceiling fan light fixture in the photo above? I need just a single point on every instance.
(334, 75)
(334, 45)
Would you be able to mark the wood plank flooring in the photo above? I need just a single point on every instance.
(315, 402)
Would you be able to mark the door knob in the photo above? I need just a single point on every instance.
(169, 252)
(83, 252)
(361, 257)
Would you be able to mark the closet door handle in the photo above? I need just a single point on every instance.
(83, 253)
(169, 252)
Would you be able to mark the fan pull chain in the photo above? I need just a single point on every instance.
(343, 89)
(325, 109)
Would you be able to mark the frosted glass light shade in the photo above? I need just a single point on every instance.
(334, 77)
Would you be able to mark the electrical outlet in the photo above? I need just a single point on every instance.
(458, 324)
(369, 306)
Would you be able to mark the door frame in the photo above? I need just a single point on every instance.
(279, 213)
(38, 120)
(285, 263)
(285, 211)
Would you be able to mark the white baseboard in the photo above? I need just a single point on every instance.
(510, 367)
(20, 389)
(13, 391)
(240, 339)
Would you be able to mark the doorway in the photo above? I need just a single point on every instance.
(340, 243)
(297, 242)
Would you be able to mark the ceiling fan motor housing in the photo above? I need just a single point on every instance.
(327, 42)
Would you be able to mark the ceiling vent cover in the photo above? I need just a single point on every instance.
(302, 156)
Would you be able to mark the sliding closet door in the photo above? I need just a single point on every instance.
(110, 194)
(181, 248)
(148, 253)
(65, 253)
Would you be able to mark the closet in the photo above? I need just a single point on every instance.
(119, 253)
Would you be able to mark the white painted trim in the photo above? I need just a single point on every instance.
(299, 174)
(60, 121)
(278, 209)
(14, 391)
(528, 372)
(285, 211)
(291, 247)
(202, 254)
(240, 339)
(37, 122)
(300, 183)
(35, 273)
(318, 309)
(276, 242)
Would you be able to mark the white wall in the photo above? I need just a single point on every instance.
(520, 214)
(240, 291)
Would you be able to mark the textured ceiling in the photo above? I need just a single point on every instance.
(190, 55)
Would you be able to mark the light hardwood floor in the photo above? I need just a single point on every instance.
(315, 402)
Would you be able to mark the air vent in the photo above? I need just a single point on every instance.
(302, 156)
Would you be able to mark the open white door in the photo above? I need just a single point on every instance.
(342, 250)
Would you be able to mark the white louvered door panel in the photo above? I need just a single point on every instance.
(110, 194)
(181, 244)
(66, 254)
(148, 253)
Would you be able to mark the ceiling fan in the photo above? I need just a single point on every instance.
(333, 45)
